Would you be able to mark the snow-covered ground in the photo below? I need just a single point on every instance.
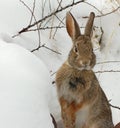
(24, 79)
(24, 88)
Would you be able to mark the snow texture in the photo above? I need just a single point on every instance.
(24, 87)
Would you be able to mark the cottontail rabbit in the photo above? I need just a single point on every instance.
(83, 102)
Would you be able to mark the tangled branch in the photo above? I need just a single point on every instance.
(32, 16)
(48, 16)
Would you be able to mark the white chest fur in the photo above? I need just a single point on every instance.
(68, 94)
(82, 117)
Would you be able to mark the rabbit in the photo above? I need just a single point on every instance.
(82, 100)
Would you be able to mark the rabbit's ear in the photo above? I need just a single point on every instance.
(89, 25)
(72, 26)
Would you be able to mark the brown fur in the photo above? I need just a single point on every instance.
(83, 102)
(117, 125)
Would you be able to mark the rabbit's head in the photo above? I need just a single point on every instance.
(81, 55)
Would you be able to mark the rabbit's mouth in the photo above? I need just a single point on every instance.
(87, 67)
(84, 65)
(84, 68)
(80, 66)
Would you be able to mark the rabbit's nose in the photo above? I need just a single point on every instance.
(86, 63)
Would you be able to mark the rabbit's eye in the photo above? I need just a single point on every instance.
(75, 49)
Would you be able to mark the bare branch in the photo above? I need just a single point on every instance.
(59, 10)
(93, 7)
(114, 106)
(52, 50)
(43, 7)
(47, 21)
(36, 49)
(33, 11)
(59, 4)
(108, 71)
(57, 28)
(32, 15)
(50, 6)
(105, 13)
(51, 25)
(43, 46)
(48, 16)
(53, 73)
(105, 71)
(47, 27)
(53, 121)
(60, 19)
(15, 35)
(108, 62)
(26, 6)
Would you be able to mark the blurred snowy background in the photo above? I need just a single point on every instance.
(27, 90)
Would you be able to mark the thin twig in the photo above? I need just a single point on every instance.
(29, 8)
(48, 16)
(105, 71)
(50, 35)
(57, 28)
(114, 106)
(108, 71)
(52, 50)
(35, 49)
(43, 7)
(60, 19)
(93, 7)
(33, 11)
(15, 35)
(59, 4)
(44, 46)
(105, 13)
(108, 62)
(30, 12)
(53, 73)
(47, 21)
(50, 6)
(61, 9)
(47, 27)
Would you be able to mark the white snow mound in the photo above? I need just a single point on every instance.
(24, 86)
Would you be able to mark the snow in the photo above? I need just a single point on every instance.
(25, 82)
(24, 87)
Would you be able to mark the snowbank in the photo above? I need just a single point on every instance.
(24, 87)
